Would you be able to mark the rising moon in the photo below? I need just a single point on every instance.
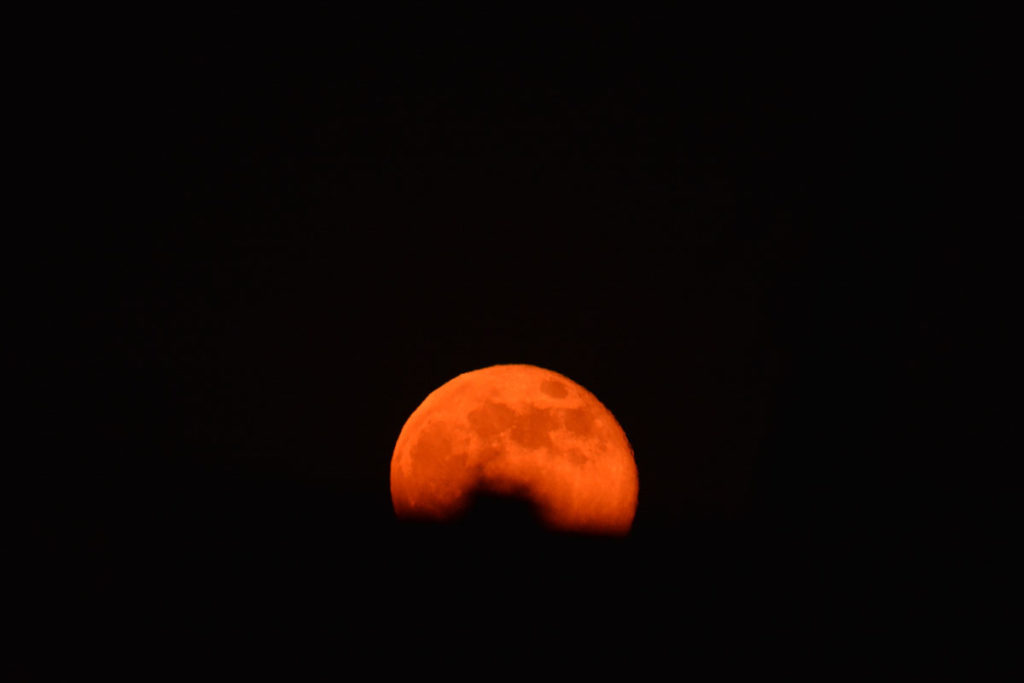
(516, 430)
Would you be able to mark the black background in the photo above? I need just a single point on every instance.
(272, 236)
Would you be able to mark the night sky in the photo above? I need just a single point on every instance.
(275, 235)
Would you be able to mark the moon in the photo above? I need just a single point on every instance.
(516, 430)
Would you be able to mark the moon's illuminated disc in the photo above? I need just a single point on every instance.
(516, 430)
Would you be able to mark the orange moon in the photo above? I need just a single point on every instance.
(516, 430)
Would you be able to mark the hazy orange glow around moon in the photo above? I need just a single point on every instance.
(516, 430)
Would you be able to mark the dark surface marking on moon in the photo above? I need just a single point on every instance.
(554, 389)
(486, 456)
(578, 457)
(532, 428)
(490, 419)
(579, 421)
